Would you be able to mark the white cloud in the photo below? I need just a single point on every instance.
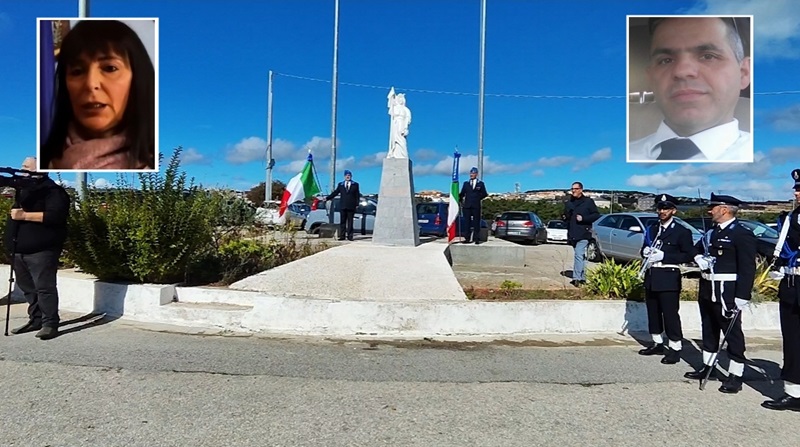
(552, 162)
(425, 154)
(372, 160)
(776, 23)
(597, 156)
(102, 183)
(247, 150)
(445, 166)
(538, 173)
(193, 156)
(785, 120)
(780, 155)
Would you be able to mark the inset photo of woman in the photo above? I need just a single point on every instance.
(97, 86)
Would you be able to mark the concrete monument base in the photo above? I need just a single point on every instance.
(396, 218)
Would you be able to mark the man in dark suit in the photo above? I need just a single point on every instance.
(472, 192)
(351, 195)
(727, 261)
(666, 245)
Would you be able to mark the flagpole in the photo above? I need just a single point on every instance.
(482, 82)
(80, 180)
(335, 85)
(270, 161)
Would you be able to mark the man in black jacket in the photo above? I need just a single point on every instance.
(351, 195)
(727, 260)
(472, 192)
(580, 212)
(666, 245)
(35, 233)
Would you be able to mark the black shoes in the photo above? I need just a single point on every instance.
(47, 333)
(784, 403)
(477, 242)
(577, 282)
(701, 374)
(654, 349)
(672, 357)
(731, 386)
(30, 326)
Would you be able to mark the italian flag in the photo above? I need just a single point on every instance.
(453, 207)
(300, 186)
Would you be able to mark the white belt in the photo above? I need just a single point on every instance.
(719, 276)
(665, 266)
(790, 270)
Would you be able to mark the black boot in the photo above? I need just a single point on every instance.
(701, 374)
(731, 386)
(672, 357)
(654, 349)
(47, 333)
(30, 326)
(786, 402)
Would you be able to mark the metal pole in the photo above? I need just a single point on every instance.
(270, 161)
(335, 85)
(481, 94)
(80, 180)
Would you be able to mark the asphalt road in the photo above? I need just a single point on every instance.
(125, 384)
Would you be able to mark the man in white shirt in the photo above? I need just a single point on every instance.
(697, 70)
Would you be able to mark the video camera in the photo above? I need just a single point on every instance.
(20, 178)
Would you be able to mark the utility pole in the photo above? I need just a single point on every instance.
(335, 86)
(481, 94)
(270, 161)
(80, 179)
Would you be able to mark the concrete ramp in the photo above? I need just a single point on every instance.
(363, 272)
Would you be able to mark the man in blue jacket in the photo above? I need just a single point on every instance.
(472, 192)
(579, 212)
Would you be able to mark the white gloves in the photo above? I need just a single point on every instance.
(656, 255)
(777, 275)
(704, 262)
(646, 251)
(741, 303)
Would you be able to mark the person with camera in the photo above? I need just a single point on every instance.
(35, 234)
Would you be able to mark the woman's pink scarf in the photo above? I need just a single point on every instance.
(98, 153)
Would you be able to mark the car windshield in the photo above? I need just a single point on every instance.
(557, 225)
(760, 229)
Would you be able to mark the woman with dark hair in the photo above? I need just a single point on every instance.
(104, 102)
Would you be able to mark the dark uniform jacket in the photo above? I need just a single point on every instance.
(677, 245)
(350, 198)
(735, 251)
(789, 255)
(34, 237)
(471, 197)
(585, 207)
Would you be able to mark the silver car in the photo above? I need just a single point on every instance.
(621, 235)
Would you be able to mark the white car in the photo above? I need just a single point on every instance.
(556, 231)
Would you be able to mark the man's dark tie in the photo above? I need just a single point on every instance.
(678, 149)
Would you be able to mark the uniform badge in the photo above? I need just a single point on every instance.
(719, 252)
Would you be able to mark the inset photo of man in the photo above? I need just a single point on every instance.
(689, 89)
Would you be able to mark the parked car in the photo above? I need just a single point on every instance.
(766, 236)
(363, 221)
(269, 213)
(620, 235)
(522, 226)
(432, 219)
(556, 231)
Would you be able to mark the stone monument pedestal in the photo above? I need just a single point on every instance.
(396, 217)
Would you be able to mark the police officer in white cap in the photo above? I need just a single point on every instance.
(666, 245)
(727, 261)
(789, 297)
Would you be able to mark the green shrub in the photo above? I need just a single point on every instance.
(764, 287)
(147, 235)
(242, 258)
(614, 280)
(508, 287)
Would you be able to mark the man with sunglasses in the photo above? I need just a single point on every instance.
(727, 260)
(697, 70)
(579, 213)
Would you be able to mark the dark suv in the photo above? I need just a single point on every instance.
(432, 220)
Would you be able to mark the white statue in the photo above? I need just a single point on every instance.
(401, 118)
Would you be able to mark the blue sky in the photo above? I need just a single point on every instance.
(215, 56)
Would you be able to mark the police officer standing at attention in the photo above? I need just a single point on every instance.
(789, 297)
(472, 192)
(728, 265)
(666, 244)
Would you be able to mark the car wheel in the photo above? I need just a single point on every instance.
(593, 252)
(314, 229)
